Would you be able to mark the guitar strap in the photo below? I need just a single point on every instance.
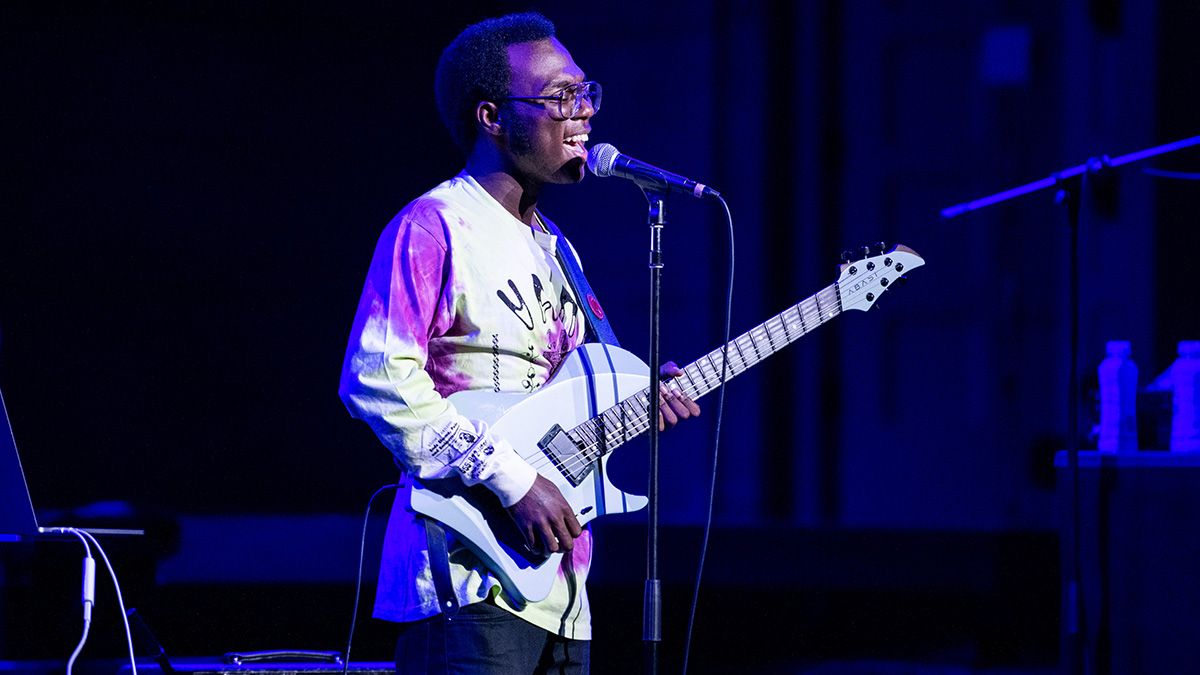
(597, 322)
(439, 567)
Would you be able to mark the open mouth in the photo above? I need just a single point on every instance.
(576, 145)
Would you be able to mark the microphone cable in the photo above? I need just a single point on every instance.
(362, 548)
(712, 487)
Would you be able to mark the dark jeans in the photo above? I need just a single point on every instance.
(483, 639)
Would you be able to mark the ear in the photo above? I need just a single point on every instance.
(487, 116)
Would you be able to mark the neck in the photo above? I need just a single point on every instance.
(517, 196)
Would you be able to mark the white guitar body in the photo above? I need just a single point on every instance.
(591, 379)
(596, 401)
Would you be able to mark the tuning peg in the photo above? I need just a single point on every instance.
(847, 257)
(878, 247)
(866, 251)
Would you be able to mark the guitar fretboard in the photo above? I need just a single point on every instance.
(629, 418)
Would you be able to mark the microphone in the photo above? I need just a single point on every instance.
(604, 160)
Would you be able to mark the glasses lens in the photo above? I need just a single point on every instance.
(570, 102)
(592, 91)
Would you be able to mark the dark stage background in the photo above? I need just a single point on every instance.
(192, 193)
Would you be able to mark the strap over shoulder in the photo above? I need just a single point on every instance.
(597, 322)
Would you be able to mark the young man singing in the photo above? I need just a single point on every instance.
(465, 292)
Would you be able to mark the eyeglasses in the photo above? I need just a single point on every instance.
(570, 98)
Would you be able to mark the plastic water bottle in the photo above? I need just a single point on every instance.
(1118, 400)
(1185, 380)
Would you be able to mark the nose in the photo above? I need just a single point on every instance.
(586, 108)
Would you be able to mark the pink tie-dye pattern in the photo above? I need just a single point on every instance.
(559, 342)
(581, 554)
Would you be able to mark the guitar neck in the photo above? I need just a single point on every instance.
(748, 349)
(629, 418)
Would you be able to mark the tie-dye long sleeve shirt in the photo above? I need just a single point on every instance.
(460, 296)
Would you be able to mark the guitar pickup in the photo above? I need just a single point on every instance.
(566, 455)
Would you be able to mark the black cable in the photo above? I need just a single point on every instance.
(712, 487)
(362, 548)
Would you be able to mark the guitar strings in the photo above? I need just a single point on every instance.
(591, 437)
(593, 443)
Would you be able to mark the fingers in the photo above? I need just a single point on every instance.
(567, 528)
(666, 414)
(573, 525)
(692, 408)
(674, 406)
(559, 532)
(563, 536)
(552, 535)
(550, 539)
(531, 541)
(546, 519)
(682, 406)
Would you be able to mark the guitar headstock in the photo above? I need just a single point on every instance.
(863, 281)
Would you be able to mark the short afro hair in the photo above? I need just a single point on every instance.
(475, 68)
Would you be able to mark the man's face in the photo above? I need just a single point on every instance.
(542, 146)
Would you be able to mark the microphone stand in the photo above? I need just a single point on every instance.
(1072, 183)
(652, 598)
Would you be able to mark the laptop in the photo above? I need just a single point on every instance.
(18, 521)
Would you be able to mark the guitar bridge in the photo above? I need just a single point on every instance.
(566, 455)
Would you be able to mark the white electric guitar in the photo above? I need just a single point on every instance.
(597, 400)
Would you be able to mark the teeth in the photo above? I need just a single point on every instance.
(577, 138)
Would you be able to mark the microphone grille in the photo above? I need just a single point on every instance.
(600, 159)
